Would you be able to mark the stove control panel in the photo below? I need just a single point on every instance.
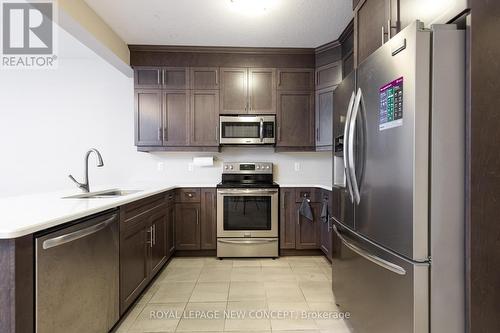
(247, 167)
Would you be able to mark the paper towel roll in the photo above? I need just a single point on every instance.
(203, 161)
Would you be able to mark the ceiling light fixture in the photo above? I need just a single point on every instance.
(253, 7)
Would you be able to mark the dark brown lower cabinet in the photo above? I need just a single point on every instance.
(158, 242)
(196, 219)
(208, 221)
(134, 259)
(170, 230)
(144, 247)
(187, 226)
(297, 232)
(307, 232)
(326, 227)
(287, 218)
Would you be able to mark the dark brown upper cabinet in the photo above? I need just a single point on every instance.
(346, 40)
(204, 118)
(175, 115)
(297, 79)
(328, 75)
(148, 117)
(248, 90)
(261, 90)
(233, 91)
(295, 120)
(204, 78)
(377, 22)
(324, 118)
(161, 77)
(175, 78)
(147, 77)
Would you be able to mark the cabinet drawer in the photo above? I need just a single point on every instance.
(310, 193)
(131, 210)
(188, 195)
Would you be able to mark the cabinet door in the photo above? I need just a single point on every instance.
(296, 79)
(262, 90)
(324, 118)
(204, 78)
(170, 230)
(372, 18)
(134, 260)
(208, 233)
(175, 78)
(176, 118)
(204, 118)
(234, 91)
(288, 218)
(148, 117)
(158, 221)
(307, 232)
(328, 75)
(147, 77)
(187, 226)
(295, 119)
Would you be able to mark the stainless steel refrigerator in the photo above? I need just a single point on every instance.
(398, 259)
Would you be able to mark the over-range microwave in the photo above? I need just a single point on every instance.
(248, 130)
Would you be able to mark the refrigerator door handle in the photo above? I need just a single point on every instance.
(352, 135)
(346, 141)
(368, 256)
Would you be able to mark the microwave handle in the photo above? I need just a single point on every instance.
(261, 130)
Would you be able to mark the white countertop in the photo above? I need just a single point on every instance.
(324, 187)
(27, 214)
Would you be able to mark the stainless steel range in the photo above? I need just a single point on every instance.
(247, 211)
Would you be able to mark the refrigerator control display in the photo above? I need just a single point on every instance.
(391, 105)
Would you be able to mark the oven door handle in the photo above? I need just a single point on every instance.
(247, 241)
(245, 192)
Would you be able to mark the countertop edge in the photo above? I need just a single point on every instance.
(106, 205)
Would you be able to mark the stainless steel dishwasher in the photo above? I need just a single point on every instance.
(77, 276)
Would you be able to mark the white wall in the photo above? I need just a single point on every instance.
(49, 118)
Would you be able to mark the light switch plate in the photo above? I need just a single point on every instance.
(160, 166)
(190, 166)
(297, 166)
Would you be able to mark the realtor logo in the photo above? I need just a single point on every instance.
(27, 35)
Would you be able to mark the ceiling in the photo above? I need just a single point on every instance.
(284, 23)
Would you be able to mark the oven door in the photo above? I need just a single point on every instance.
(247, 129)
(247, 212)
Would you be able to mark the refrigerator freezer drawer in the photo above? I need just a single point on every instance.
(382, 292)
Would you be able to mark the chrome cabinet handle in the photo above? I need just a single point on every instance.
(153, 236)
(165, 134)
(72, 236)
(197, 217)
(279, 133)
(261, 132)
(383, 36)
(376, 260)
(216, 133)
(158, 76)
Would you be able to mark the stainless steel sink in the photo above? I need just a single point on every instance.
(103, 194)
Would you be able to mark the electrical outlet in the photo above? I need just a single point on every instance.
(160, 166)
(297, 166)
(190, 166)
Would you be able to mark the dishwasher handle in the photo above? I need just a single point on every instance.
(72, 236)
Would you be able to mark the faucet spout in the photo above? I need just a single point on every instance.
(85, 186)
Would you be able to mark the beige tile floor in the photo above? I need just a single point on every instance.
(210, 295)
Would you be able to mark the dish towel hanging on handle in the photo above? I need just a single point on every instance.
(324, 211)
(305, 209)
